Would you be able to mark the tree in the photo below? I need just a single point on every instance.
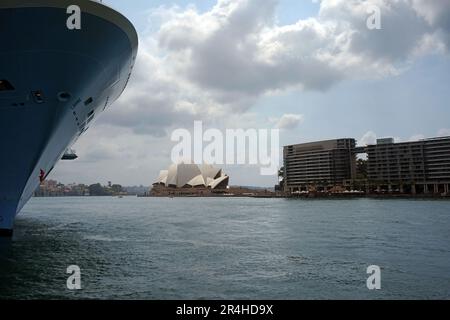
(97, 190)
(281, 173)
(116, 188)
(280, 186)
(361, 169)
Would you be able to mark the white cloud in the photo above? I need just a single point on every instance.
(208, 65)
(444, 133)
(368, 138)
(215, 65)
(289, 121)
(435, 12)
(416, 137)
(114, 153)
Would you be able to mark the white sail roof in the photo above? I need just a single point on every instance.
(191, 175)
(162, 179)
(172, 176)
(185, 173)
(218, 181)
(209, 171)
(198, 181)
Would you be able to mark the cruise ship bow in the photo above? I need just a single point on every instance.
(54, 81)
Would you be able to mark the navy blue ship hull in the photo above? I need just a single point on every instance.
(59, 81)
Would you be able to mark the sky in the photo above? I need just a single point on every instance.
(312, 69)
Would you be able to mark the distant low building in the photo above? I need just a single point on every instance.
(182, 175)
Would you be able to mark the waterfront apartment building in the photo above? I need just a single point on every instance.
(320, 165)
(410, 167)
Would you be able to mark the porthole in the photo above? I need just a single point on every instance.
(64, 96)
(38, 96)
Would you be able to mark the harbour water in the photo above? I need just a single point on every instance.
(218, 248)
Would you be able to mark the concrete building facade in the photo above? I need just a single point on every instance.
(417, 167)
(320, 165)
(412, 167)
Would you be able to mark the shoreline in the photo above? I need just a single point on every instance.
(318, 196)
(342, 196)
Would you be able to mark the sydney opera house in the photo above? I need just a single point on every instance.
(184, 176)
